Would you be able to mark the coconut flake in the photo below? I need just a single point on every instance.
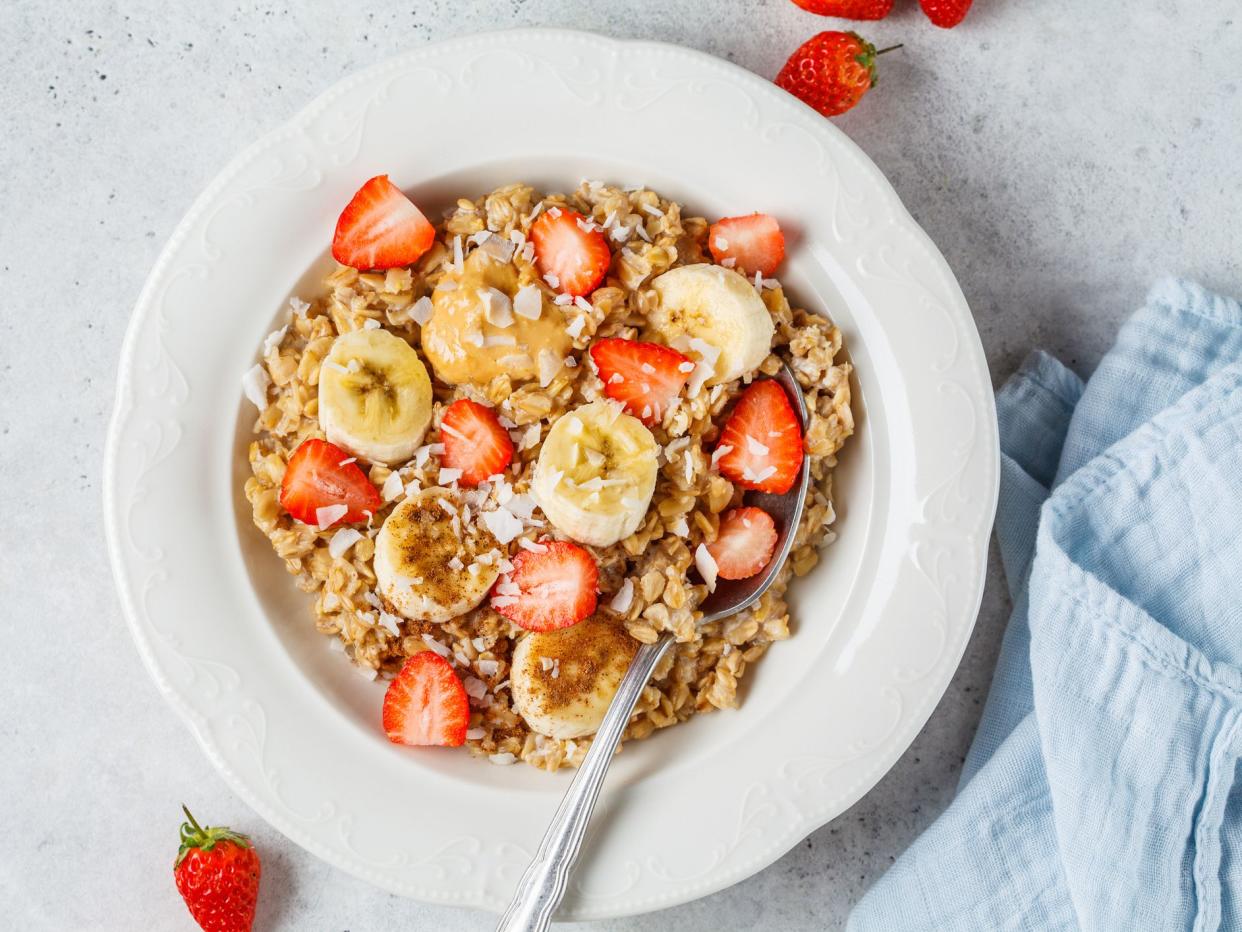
(370, 324)
(392, 487)
(729, 262)
(474, 734)
(503, 525)
(488, 667)
(552, 279)
(272, 340)
(532, 546)
(575, 326)
(531, 436)
(459, 259)
(420, 311)
(582, 304)
(500, 339)
(755, 447)
(563, 300)
(391, 622)
(762, 475)
(706, 565)
(528, 302)
(328, 515)
(448, 475)
(652, 210)
(624, 598)
(497, 307)
(521, 506)
(549, 366)
(255, 384)
(298, 306)
(342, 540)
(437, 646)
(503, 759)
(721, 243)
(720, 452)
(679, 527)
(497, 248)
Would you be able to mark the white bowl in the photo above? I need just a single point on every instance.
(879, 625)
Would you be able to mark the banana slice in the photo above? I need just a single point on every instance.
(430, 563)
(719, 307)
(374, 396)
(562, 681)
(595, 473)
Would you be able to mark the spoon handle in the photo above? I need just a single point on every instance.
(540, 890)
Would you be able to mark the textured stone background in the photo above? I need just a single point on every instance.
(1061, 154)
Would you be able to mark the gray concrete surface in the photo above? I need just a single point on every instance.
(1061, 154)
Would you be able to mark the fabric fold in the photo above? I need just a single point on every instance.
(1102, 790)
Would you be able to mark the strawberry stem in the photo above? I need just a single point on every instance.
(891, 48)
(197, 828)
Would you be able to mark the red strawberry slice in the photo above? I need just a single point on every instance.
(426, 704)
(570, 255)
(755, 243)
(321, 474)
(474, 441)
(645, 377)
(762, 440)
(381, 228)
(744, 544)
(548, 589)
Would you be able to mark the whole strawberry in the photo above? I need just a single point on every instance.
(945, 13)
(217, 873)
(831, 71)
(848, 9)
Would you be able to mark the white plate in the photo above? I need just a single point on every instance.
(879, 625)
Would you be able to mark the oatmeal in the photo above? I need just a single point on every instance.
(574, 480)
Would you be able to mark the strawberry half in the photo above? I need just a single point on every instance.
(321, 474)
(755, 243)
(744, 544)
(548, 589)
(570, 255)
(645, 377)
(381, 228)
(474, 441)
(762, 440)
(426, 704)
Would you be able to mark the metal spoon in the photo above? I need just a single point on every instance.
(543, 885)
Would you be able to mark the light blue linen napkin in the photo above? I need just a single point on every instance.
(1103, 790)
